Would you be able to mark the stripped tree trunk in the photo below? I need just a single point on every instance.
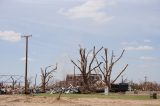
(108, 66)
(85, 66)
(46, 76)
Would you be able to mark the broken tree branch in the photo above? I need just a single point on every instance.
(120, 73)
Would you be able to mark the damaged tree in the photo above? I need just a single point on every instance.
(108, 66)
(13, 82)
(46, 76)
(85, 66)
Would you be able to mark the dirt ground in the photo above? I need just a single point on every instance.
(17, 100)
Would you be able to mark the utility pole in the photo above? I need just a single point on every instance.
(145, 78)
(35, 82)
(145, 83)
(122, 79)
(26, 66)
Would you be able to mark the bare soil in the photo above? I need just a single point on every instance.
(17, 100)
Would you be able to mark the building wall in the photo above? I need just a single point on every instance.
(77, 79)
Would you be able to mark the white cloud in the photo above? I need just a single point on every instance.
(34, 1)
(91, 9)
(147, 41)
(24, 58)
(10, 36)
(137, 1)
(147, 58)
(139, 48)
(129, 43)
(135, 42)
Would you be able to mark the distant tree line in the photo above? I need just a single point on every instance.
(145, 86)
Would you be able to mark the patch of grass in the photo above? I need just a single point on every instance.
(110, 96)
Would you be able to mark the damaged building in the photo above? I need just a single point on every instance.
(77, 79)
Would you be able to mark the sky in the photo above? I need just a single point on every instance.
(59, 27)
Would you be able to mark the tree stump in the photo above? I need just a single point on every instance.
(153, 95)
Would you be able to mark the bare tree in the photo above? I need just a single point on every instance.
(108, 66)
(29, 82)
(85, 66)
(13, 82)
(46, 76)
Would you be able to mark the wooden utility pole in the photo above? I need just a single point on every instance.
(26, 66)
(145, 83)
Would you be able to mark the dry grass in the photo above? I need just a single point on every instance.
(21, 100)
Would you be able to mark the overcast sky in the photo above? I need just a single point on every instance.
(59, 26)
